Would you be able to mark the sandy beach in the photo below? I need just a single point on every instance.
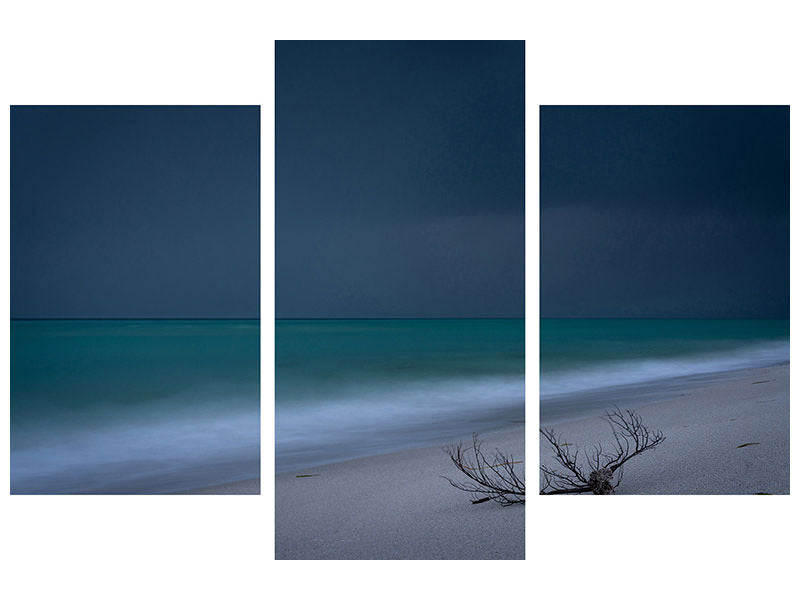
(729, 436)
(395, 506)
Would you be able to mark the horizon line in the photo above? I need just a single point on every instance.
(385, 318)
(786, 318)
(135, 318)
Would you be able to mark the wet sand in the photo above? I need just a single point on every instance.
(246, 486)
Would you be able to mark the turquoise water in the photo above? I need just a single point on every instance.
(579, 357)
(105, 406)
(350, 388)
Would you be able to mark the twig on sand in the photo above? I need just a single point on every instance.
(494, 479)
(596, 473)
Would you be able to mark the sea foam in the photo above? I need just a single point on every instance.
(627, 372)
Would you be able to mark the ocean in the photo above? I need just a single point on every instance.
(133, 406)
(353, 388)
(588, 365)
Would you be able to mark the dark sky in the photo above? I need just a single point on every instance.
(135, 212)
(665, 212)
(399, 179)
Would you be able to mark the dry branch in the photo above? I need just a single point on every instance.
(595, 472)
(487, 478)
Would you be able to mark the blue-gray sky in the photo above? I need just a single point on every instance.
(665, 211)
(135, 212)
(399, 179)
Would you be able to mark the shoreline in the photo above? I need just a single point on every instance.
(242, 487)
(395, 506)
(510, 425)
(573, 406)
(725, 434)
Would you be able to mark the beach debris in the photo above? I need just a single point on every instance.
(516, 462)
(749, 444)
(479, 500)
(596, 473)
(309, 475)
(487, 479)
(601, 481)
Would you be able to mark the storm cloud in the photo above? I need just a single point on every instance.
(665, 212)
(399, 179)
(135, 211)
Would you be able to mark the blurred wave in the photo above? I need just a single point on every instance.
(617, 373)
(133, 407)
(352, 388)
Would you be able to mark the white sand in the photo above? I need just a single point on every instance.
(704, 425)
(395, 506)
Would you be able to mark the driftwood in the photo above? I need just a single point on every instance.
(494, 478)
(601, 471)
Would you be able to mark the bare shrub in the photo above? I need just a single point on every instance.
(597, 471)
(494, 478)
